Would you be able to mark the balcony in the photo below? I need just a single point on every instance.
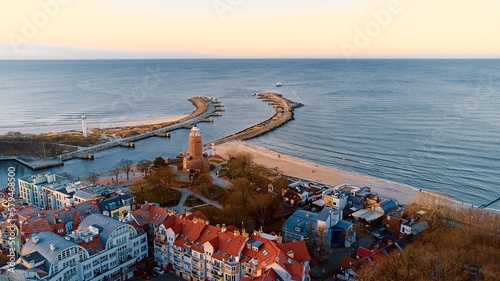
(196, 265)
(216, 272)
(160, 239)
(196, 275)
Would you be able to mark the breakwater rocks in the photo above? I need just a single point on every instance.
(283, 112)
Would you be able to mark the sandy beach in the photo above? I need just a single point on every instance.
(77, 126)
(292, 166)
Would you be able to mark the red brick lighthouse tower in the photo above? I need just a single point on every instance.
(195, 159)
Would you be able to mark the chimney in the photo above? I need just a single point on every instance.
(52, 247)
(223, 228)
(35, 239)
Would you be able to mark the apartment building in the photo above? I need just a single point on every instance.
(196, 250)
(100, 249)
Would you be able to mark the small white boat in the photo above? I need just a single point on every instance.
(279, 84)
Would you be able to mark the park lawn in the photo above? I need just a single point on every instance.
(192, 201)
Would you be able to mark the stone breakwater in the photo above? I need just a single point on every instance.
(283, 113)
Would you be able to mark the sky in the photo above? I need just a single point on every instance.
(99, 29)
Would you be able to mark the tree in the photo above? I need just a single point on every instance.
(126, 166)
(117, 169)
(144, 165)
(203, 181)
(263, 207)
(162, 177)
(159, 162)
(280, 185)
(93, 177)
(141, 189)
(239, 164)
(242, 189)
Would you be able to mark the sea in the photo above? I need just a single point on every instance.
(429, 124)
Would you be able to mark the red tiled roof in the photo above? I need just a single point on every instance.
(196, 230)
(139, 228)
(266, 254)
(268, 275)
(209, 233)
(229, 244)
(93, 245)
(149, 213)
(197, 214)
(299, 250)
(36, 226)
(296, 270)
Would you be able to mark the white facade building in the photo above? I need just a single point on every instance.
(101, 248)
(48, 191)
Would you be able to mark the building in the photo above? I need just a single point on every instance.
(196, 250)
(101, 248)
(52, 192)
(29, 220)
(195, 160)
(48, 191)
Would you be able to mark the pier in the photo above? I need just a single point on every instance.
(283, 112)
(488, 204)
(205, 107)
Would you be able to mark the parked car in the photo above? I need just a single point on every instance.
(158, 270)
(379, 233)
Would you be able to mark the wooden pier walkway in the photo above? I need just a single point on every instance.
(283, 113)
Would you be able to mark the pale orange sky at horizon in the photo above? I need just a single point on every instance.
(249, 28)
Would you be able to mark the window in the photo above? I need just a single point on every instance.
(264, 253)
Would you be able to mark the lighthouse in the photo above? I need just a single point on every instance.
(195, 160)
(84, 126)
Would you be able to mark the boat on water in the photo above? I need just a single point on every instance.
(279, 84)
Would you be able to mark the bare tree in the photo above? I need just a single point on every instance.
(240, 164)
(144, 166)
(162, 177)
(242, 189)
(140, 189)
(117, 169)
(126, 166)
(93, 177)
(203, 181)
(263, 207)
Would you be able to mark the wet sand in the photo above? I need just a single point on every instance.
(299, 168)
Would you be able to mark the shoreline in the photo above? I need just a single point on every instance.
(292, 166)
(77, 126)
(300, 168)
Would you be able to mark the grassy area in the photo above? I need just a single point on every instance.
(166, 198)
(192, 201)
(214, 192)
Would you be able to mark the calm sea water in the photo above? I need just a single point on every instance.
(430, 124)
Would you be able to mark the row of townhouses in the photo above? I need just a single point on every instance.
(196, 250)
(65, 230)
